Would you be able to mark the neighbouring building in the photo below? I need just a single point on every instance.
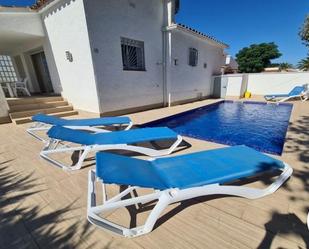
(231, 65)
(110, 57)
(271, 69)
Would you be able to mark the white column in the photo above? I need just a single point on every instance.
(29, 72)
(4, 108)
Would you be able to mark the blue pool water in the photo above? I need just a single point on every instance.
(255, 124)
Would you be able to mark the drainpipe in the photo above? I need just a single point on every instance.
(167, 39)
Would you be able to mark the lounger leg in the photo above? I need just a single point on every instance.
(81, 159)
(164, 200)
(303, 98)
(93, 210)
(129, 126)
(38, 127)
(48, 150)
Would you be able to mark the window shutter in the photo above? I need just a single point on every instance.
(193, 57)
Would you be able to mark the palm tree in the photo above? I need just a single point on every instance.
(304, 64)
(285, 66)
(304, 32)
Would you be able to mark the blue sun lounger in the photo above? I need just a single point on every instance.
(44, 123)
(176, 179)
(297, 92)
(62, 138)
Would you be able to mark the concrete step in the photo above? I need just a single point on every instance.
(22, 114)
(60, 114)
(33, 100)
(28, 107)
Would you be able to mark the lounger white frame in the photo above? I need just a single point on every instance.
(304, 95)
(55, 146)
(40, 126)
(164, 198)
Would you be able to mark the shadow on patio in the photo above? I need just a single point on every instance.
(298, 142)
(290, 223)
(33, 227)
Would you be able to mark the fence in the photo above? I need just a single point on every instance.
(263, 83)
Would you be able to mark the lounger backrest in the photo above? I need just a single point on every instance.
(122, 170)
(70, 135)
(296, 90)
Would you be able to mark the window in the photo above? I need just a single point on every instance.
(7, 71)
(193, 57)
(133, 57)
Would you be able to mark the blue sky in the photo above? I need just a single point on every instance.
(240, 23)
(17, 2)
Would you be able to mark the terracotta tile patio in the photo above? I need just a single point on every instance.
(42, 206)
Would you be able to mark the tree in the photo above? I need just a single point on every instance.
(304, 35)
(255, 58)
(304, 64)
(304, 32)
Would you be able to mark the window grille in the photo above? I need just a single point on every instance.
(133, 56)
(7, 71)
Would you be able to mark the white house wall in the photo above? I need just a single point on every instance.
(135, 19)
(189, 82)
(66, 27)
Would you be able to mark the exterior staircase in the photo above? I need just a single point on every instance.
(22, 109)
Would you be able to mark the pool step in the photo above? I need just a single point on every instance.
(36, 106)
(22, 109)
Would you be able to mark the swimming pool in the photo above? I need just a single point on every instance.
(258, 125)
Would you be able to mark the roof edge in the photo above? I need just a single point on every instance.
(197, 33)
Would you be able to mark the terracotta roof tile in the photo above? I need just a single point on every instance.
(202, 34)
(39, 4)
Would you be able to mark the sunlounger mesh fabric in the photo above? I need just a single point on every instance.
(185, 171)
